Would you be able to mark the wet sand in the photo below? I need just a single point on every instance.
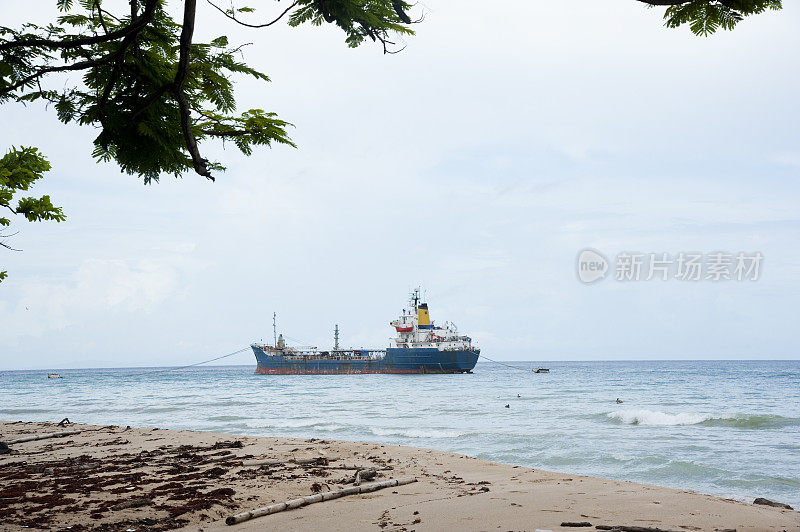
(121, 478)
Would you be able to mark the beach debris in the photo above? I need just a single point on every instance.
(43, 436)
(316, 487)
(475, 491)
(364, 474)
(311, 499)
(132, 503)
(64, 421)
(352, 467)
(626, 528)
(767, 502)
(4, 448)
(198, 500)
(321, 461)
(228, 444)
(576, 524)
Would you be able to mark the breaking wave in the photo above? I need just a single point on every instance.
(652, 417)
(655, 418)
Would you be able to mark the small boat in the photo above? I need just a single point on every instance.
(542, 370)
(54, 376)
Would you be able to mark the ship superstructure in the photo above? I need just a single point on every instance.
(419, 347)
(416, 330)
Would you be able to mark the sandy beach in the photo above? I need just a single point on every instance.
(123, 478)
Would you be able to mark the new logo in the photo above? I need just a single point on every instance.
(592, 266)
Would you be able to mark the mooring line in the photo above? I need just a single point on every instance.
(506, 365)
(164, 370)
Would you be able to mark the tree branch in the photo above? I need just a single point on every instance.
(9, 247)
(199, 163)
(96, 4)
(82, 65)
(233, 17)
(232, 133)
(664, 2)
(324, 10)
(398, 8)
(119, 55)
(135, 26)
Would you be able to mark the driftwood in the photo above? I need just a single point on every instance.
(364, 474)
(132, 503)
(225, 458)
(353, 468)
(293, 461)
(311, 499)
(43, 436)
(37, 468)
(626, 528)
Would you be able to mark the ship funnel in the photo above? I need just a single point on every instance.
(423, 318)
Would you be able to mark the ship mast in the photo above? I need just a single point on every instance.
(336, 338)
(415, 299)
(274, 330)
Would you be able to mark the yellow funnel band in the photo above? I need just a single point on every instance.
(422, 316)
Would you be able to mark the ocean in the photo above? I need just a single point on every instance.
(727, 428)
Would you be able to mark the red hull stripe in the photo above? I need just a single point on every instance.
(260, 370)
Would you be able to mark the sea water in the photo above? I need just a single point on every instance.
(727, 428)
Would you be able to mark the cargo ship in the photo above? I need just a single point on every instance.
(420, 346)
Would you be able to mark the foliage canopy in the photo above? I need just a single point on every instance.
(705, 17)
(19, 169)
(153, 92)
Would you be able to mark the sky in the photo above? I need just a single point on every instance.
(478, 163)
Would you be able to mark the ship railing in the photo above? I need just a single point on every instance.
(355, 354)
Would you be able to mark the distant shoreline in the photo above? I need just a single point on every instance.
(159, 479)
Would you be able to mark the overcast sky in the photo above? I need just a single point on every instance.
(478, 163)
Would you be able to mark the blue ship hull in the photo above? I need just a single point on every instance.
(395, 360)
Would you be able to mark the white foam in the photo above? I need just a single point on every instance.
(301, 424)
(416, 433)
(653, 417)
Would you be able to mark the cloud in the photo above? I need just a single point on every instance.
(97, 287)
(790, 159)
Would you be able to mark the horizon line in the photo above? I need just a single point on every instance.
(178, 367)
